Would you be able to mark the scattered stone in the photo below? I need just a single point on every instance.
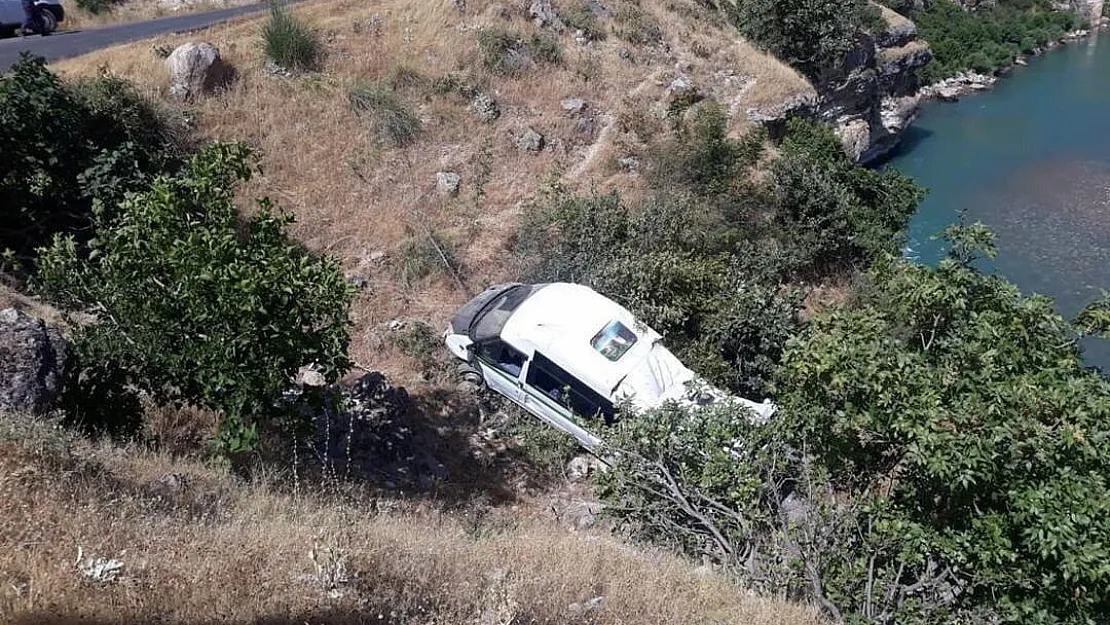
(961, 84)
(583, 466)
(359, 281)
(99, 570)
(274, 69)
(574, 106)
(580, 37)
(530, 141)
(32, 362)
(485, 107)
(544, 15)
(196, 69)
(309, 376)
(624, 53)
(1020, 61)
(377, 256)
(172, 481)
(586, 607)
(680, 84)
(447, 183)
(628, 163)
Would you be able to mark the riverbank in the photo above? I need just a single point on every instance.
(970, 81)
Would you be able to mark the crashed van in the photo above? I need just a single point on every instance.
(569, 356)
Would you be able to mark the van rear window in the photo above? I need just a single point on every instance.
(613, 340)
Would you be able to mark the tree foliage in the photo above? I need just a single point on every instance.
(63, 143)
(194, 303)
(939, 456)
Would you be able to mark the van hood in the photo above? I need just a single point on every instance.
(660, 377)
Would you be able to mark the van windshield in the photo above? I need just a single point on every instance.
(492, 318)
(613, 340)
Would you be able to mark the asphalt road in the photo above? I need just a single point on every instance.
(63, 45)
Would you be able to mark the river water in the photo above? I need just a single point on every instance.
(1031, 160)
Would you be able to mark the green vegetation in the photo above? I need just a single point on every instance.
(938, 457)
(64, 144)
(989, 38)
(711, 259)
(580, 16)
(289, 42)
(507, 53)
(811, 35)
(196, 305)
(394, 121)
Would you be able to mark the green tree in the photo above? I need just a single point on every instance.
(194, 303)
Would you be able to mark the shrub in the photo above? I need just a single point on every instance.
(937, 457)
(636, 26)
(393, 120)
(505, 51)
(64, 144)
(423, 255)
(811, 35)
(289, 42)
(988, 38)
(580, 16)
(196, 305)
(96, 7)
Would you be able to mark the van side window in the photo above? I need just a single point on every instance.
(500, 355)
(550, 379)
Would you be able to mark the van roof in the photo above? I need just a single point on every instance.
(561, 319)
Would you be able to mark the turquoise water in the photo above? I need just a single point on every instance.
(1030, 159)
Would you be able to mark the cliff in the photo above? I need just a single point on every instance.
(871, 98)
(875, 95)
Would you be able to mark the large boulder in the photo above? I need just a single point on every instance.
(196, 69)
(32, 362)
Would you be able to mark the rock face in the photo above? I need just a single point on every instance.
(1091, 10)
(32, 362)
(873, 97)
(196, 69)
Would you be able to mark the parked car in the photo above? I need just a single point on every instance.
(11, 15)
(562, 350)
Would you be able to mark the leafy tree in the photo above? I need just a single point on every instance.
(939, 456)
(63, 143)
(194, 303)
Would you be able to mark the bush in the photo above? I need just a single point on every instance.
(580, 16)
(937, 457)
(423, 255)
(194, 304)
(393, 120)
(637, 26)
(988, 38)
(289, 42)
(811, 35)
(505, 51)
(96, 7)
(65, 144)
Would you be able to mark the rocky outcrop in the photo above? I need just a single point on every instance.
(954, 88)
(874, 95)
(32, 363)
(1090, 10)
(196, 69)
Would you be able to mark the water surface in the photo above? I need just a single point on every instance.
(1030, 159)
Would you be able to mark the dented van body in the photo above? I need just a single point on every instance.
(569, 356)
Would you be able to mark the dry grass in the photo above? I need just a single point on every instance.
(353, 195)
(213, 549)
(139, 11)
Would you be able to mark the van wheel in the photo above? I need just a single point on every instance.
(49, 20)
(469, 373)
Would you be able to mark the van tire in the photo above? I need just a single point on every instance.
(470, 374)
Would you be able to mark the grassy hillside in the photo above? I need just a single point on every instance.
(200, 546)
(355, 194)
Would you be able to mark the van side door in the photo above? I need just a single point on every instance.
(555, 395)
(501, 367)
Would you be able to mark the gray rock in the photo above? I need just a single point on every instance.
(855, 137)
(587, 126)
(32, 362)
(485, 107)
(544, 15)
(624, 53)
(586, 607)
(628, 163)
(680, 84)
(1020, 61)
(574, 106)
(447, 183)
(196, 69)
(530, 141)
